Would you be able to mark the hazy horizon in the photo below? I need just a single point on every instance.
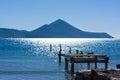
(87, 15)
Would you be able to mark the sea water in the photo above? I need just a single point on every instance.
(33, 59)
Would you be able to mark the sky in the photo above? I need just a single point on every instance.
(87, 15)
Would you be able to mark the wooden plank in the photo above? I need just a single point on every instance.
(86, 55)
(61, 54)
(82, 59)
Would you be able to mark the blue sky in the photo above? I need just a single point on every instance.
(87, 15)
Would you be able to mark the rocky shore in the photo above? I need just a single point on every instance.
(98, 74)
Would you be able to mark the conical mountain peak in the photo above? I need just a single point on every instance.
(59, 22)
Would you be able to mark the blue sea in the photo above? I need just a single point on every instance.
(32, 59)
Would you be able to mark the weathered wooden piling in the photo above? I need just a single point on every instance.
(60, 54)
(77, 51)
(72, 67)
(89, 62)
(50, 47)
(60, 47)
(70, 50)
(81, 52)
(106, 62)
(66, 65)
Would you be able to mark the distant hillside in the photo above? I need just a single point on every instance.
(12, 33)
(57, 29)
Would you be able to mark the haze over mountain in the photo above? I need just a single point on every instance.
(57, 29)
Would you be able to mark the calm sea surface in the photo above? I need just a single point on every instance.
(31, 59)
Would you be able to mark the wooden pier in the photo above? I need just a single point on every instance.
(79, 57)
(88, 58)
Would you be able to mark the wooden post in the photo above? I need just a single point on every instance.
(60, 52)
(88, 65)
(95, 62)
(106, 65)
(66, 64)
(70, 50)
(81, 52)
(95, 65)
(59, 56)
(50, 47)
(77, 51)
(106, 62)
(72, 67)
(60, 48)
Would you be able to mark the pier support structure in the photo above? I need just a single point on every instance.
(80, 58)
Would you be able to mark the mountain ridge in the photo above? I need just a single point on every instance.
(56, 29)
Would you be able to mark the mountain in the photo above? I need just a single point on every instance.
(57, 29)
(61, 29)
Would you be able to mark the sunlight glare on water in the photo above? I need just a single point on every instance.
(41, 46)
(59, 40)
